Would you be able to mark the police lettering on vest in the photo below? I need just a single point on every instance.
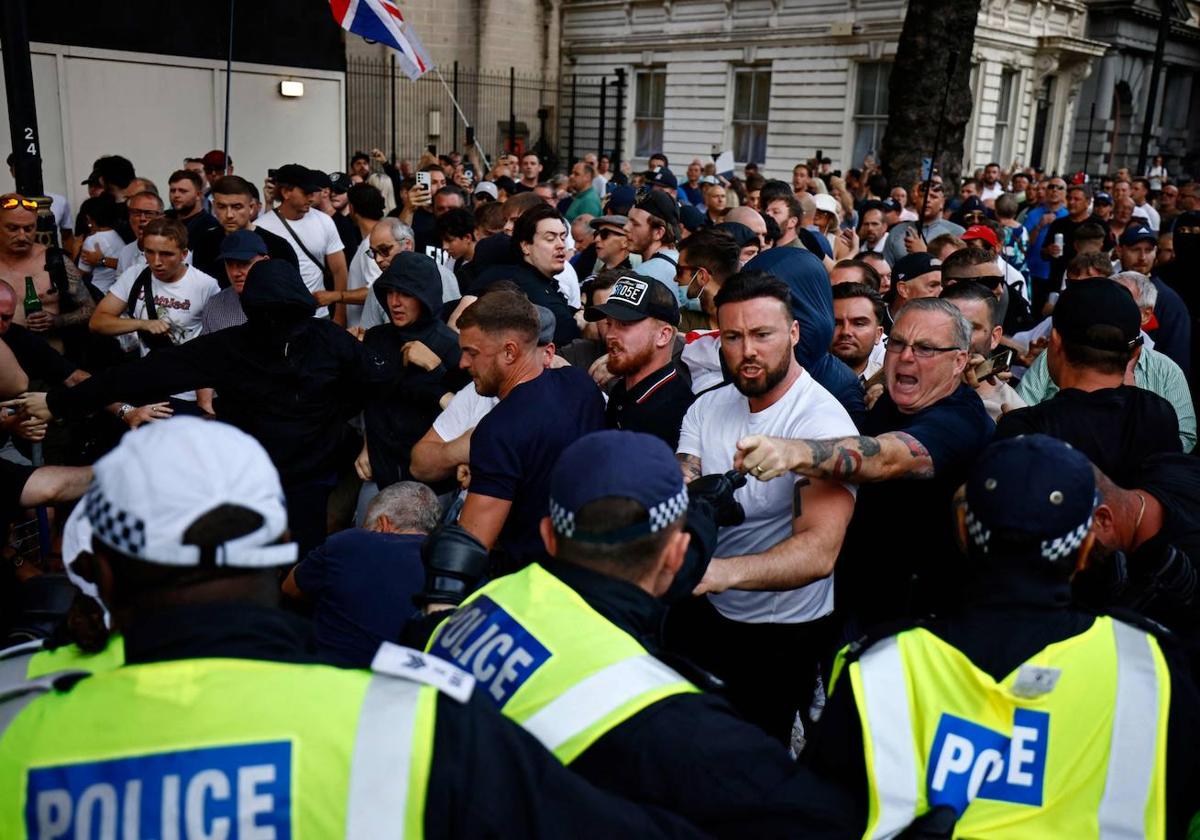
(970, 761)
(240, 792)
(492, 646)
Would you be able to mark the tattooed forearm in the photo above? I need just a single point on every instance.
(690, 464)
(863, 458)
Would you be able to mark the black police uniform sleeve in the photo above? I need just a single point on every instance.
(490, 778)
(197, 364)
(692, 754)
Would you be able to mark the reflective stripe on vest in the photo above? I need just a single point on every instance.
(587, 703)
(550, 662)
(1132, 755)
(379, 777)
(894, 759)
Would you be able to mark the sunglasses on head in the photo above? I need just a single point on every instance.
(18, 201)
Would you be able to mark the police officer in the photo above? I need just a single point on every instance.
(219, 725)
(1023, 715)
(569, 649)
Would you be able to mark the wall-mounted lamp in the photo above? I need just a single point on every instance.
(291, 89)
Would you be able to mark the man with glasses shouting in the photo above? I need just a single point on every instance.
(928, 427)
(1052, 208)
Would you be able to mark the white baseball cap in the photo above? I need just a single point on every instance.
(487, 188)
(164, 476)
(826, 202)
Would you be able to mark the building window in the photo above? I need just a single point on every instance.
(1008, 81)
(648, 112)
(870, 110)
(751, 108)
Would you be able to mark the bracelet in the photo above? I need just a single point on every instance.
(123, 410)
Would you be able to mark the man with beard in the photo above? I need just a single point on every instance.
(1179, 274)
(422, 350)
(515, 446)
(769, 587)
(927, 428)
(652, 394)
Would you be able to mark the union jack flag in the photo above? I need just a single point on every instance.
(381, 20)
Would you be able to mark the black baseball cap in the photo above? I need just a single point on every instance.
(914, 265)
(658, 203)
(1098, 313)
(295, 175)
(635, 297)
(691, 218)
(340, 182)
(318, 180)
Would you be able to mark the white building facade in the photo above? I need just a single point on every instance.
(777, 81)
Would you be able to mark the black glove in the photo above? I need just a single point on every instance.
(455, 561)
(717, 491)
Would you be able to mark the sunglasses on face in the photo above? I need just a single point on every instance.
(990, 281)
(609, 232)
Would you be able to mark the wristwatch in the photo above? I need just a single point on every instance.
(123, 410)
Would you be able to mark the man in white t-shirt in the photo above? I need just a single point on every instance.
(765, 623)
(313, 235)
(177, 291)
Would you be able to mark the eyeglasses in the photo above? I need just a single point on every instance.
(382, 251)
(920, 350)
(15, 200)
(145, 214)
(605, 233)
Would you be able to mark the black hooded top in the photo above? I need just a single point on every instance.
(288, 379)
(401, 407)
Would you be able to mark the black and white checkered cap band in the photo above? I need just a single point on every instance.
(118, 529)
(660, 516)
(977, 532)
(1068, 543)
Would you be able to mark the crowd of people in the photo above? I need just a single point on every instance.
(469, 500)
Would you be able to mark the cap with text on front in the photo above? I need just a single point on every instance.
(142, 509)
(635, 297)
(597, 467)
(1031, 489)
(914, 265)
(1098, 313)
(242, 245)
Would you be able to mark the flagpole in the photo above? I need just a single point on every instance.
(466, 122)
(228, 84)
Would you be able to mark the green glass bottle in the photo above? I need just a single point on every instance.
(32, 302)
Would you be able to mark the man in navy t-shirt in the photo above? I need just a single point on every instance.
(362, 580)
(899, 559)
(515, 446)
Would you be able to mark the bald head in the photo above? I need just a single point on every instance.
(749, 217)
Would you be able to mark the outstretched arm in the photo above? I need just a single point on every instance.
(857, 459)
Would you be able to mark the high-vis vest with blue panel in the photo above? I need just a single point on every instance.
(552, 663)
(217, 748)
(1070, 744)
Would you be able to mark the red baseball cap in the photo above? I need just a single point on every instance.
(982, 232)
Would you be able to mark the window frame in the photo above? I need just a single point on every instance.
(757, 124)
(647, 118)
(875, 119)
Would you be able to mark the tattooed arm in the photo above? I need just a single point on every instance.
(690, 464)
(856, 459)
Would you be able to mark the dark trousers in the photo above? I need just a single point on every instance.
(307, 503)
(769, 670)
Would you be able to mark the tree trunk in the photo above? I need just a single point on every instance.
(918, 86)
